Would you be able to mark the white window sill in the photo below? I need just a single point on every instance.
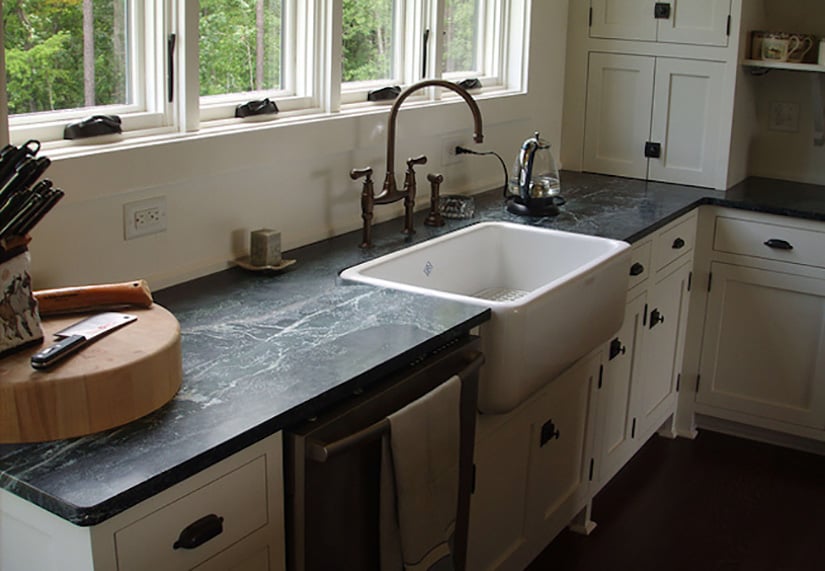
(231, 126)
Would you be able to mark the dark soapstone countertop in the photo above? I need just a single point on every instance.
(262, 352)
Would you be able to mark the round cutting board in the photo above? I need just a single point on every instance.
(117, 378)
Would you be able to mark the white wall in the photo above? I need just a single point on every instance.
(778, 154)
(293, 178)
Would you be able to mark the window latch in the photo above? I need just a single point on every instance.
(470, 83)
(384, 94)
(256, 107)
(92, 127)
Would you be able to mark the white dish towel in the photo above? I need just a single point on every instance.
(419, 482)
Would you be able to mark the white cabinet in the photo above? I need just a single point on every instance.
(617, 409)
(637, 389)
(653, 118)
(702, 22)
(532, 471)
(659, 364)
(763, 349)
(229, 516)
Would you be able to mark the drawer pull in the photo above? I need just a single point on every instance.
(778, 244)
(678, 244)
(636, 269)
(199, 532)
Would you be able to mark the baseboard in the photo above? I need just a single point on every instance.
(758, 434)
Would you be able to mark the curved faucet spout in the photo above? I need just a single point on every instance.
(478, 135)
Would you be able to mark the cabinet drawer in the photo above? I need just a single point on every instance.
(770, 241)
(639, 264)
(673, 242)
(239, 498)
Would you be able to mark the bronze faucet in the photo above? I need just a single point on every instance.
(390, 193)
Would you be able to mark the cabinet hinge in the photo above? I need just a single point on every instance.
(678, 381)
(690, 280)
(590, 477)
(728, 26)
(590, 18)
(633, 429)
(601, 375)
(697, 383)
(710, 280)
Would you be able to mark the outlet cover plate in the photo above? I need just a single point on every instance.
(144, 217)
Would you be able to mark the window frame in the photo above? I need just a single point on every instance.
(312, 65)
(149, 27)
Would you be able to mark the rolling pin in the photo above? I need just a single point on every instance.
(93, 297)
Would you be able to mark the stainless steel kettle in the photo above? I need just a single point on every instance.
(534, 188)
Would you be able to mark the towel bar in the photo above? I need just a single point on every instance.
(321, 452)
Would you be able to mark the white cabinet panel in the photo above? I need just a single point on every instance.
(664, 331)
(632, 100)
(696, 22)
(623, 19)
(619, 100)
(617, 398)
(686, 121)
(763, 350)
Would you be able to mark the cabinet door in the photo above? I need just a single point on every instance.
(558, 474)
(763, 351)
(623, 19)
(617, 120)
(685, 121)
(616, 407)
(497, 503)
(702, 22)
(663, 327)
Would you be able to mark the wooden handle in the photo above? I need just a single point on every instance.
(93, 297)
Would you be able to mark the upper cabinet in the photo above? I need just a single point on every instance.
(650, 89)
(701, 22)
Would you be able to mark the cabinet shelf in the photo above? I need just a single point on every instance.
(788, 66)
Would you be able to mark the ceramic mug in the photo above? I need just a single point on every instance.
(805, 43)
(778, 46)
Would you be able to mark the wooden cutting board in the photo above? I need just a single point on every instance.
(118, 378)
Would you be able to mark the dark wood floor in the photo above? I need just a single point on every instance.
(714, 503)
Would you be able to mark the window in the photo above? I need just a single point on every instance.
(461, 24)
(166, 66)
(68, 60)
(391, 42)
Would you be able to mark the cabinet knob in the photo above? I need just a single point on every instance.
(637, 269)
(678, 244)
(616, 349)
(655, 318)
(549, 432)
(199, 532)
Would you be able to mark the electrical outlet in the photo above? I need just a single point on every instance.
(144, 217)
(448, 155)
(784, 117)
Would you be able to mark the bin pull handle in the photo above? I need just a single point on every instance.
(321, 452)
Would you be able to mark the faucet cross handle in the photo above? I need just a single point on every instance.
(409, 192)
(367, 203)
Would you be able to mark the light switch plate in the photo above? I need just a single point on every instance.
(784, 116)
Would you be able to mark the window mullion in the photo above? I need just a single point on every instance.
(187, 78)
(327, 60)
(4, 106)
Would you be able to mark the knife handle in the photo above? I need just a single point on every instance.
(87, 298)
(50, 355)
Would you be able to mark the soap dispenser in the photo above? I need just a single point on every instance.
(533, 188)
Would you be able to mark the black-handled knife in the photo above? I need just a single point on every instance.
(79, 335)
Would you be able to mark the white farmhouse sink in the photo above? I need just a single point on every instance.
(555, 296)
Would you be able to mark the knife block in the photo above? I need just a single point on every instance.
(20, 324)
